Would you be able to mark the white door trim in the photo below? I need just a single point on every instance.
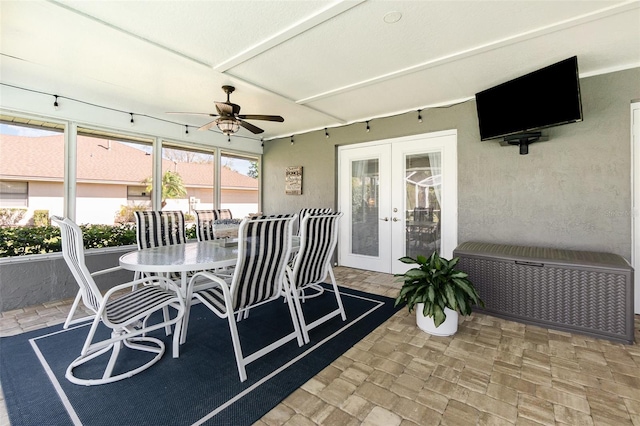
(449, 159)
(635, 199)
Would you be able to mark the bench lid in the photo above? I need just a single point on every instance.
(542, 254)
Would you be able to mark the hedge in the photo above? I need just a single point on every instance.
(22, 241)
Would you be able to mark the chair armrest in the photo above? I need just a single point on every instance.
(212, 281)
(106, 271)
(157, 279)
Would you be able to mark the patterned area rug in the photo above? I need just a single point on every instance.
(201, 386)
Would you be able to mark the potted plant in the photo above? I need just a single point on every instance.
(438, 291)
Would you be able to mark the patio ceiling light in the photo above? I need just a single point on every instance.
(228, 126)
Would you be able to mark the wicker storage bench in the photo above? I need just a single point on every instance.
(577, 291)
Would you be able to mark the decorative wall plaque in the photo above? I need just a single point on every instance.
(293, 180)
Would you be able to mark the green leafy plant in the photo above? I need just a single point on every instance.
(172, 186)
(23, 241)
(41, 218)
(438, 284)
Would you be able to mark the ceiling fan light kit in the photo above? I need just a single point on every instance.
(228, 126)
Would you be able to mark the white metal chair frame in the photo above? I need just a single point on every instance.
(264, 246)
(127, 315)
(312, 264)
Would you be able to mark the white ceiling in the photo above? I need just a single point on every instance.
(316, 63)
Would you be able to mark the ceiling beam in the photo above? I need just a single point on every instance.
(294, 30)
(537, 32)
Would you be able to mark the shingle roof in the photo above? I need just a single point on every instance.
(100, 160)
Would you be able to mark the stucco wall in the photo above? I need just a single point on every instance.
(31, 280)
(572, 191)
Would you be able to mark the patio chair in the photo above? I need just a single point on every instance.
(312, 264)
(205, 220)
(264, 245)
(304, 212)
(159, 228)
(314, 290)
(127, 315)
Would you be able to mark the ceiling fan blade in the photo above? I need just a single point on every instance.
(208, 125)
(250, 127)
(262, 117)
(224, 109)
(194, 113)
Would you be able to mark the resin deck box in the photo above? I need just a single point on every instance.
(576, 291)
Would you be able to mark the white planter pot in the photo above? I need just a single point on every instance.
(447, 328)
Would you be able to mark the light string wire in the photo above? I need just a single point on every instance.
(131, 114)
(235, 135)
(368, 122)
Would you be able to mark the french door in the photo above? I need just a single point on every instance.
(399, 198)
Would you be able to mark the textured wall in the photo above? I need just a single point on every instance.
(572, 191)
(31, 282)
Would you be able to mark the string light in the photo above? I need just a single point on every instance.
(368, 128)
(262, 142)
(326, 133)
(291, 139)
(419, 116)
(55, 102)
(186, 129)
(229, 140)
(131, 118)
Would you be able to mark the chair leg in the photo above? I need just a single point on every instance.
(337, 293)
(69, 321)
(165, 316)
(112, 360)
(237, 349)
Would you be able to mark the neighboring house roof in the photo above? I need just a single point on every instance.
(100, 160)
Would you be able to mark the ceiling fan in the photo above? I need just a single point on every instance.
(229, 118)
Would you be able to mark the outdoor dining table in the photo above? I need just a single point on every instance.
(185, 258)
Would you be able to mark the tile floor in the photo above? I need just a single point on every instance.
(492, 372)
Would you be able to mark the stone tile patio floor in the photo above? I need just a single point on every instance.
(492, 372)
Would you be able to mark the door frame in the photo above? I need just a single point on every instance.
(449, 158)
(635, 198)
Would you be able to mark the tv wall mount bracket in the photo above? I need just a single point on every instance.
(523, 140)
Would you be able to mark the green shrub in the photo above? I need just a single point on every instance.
(191, 232)
(21, 241)
(41, 218)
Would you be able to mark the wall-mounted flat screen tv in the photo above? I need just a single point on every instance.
(547, 97)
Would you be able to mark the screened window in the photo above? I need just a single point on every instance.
(14, 194)
(239, 184)
(31, 169)
(113, 172)
(187, 179)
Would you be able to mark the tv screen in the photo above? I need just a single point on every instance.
(547, 97)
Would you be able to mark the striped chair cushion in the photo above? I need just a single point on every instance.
(159, 228)
(319, 236)
(263, 246)
(124, 308)
(304, 212)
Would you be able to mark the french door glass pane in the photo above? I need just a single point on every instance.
(364, 207)
(423, 183)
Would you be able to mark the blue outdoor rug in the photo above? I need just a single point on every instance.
(200, 387)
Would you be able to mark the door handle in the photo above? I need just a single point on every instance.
(395, 219)
(386, 219)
